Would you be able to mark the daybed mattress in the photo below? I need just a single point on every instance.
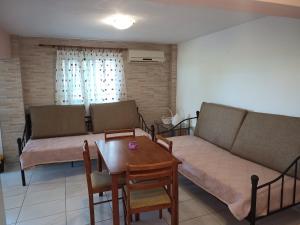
(227, 176)
(61, 149)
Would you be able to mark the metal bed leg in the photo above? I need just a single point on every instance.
(152, 132)
(254, 182)
(23, 177)
(19, 141)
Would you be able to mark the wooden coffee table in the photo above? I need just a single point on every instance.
(115, 154)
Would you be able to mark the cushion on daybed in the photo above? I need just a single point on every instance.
(227, 176)
(270, 140)
(57, 120)
(60, 149)
(219, 124)
(113, 116)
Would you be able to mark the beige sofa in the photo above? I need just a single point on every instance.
(55, 133)
(230, 145)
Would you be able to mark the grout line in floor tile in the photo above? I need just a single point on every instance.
(24, 198)
(66, 200)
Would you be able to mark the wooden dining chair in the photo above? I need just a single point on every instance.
(168, 146)
(164, 142)
(145, 189)
(113, 134)
(97, 182)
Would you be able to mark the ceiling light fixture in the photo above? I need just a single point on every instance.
(120, 21)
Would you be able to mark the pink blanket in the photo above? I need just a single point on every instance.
(60, 149)
(227, 176)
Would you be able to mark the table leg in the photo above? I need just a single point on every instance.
(99, 167)
(99, 162)
(175, 217)
(115, 201)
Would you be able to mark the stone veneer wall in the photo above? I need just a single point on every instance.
(12, 108)
(152, 85)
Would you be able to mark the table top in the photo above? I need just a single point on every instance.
(116, 154)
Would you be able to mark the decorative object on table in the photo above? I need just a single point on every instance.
(176, 119)
(166, 120)
(172, 119)
(132, 145)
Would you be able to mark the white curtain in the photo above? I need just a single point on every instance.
(89, 76)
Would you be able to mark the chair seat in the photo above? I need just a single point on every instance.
(102, 180)
(151, 197)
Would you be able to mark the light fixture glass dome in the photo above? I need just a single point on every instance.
(120, 21)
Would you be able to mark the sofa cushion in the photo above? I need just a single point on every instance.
(219, 124)
(57, 120)
(270, 140)
(228, 177)
(61, 149)
(112, 116)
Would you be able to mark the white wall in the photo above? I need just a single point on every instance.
(254, 66)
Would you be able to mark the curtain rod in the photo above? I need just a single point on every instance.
(74, 46)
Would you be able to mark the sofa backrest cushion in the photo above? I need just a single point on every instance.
(57, 120)
(219, 124)
(114, 116)
(270, 140)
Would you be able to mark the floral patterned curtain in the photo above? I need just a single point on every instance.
(89, 76)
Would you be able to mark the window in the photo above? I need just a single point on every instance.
(89, 76)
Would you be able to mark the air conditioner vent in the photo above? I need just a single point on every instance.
(146, 56)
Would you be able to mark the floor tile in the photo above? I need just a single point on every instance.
(44, 196)
(81, 201)
(82, 216)
(110, 222)
(41, 210)
(75, 189)
(13, 191)
(48, 177)
(59, 219)
(77, 178)
(191, 209)
(13, 178)
(203, 220)
(13, 201)
(12, 215)
(288, 217)
(33, 188)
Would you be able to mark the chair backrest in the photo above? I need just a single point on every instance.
(87, 164)
(164, 142)
(149, 176)
(113, 134)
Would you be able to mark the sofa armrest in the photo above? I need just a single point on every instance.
(294, 167)
(179, 126)
(143, 125)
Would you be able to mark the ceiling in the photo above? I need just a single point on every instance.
(156, 21)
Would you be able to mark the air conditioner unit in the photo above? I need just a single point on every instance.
(145, 56)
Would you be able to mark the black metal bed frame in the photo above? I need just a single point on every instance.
(88, 122)
(252, 218)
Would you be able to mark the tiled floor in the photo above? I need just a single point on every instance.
(57, 195)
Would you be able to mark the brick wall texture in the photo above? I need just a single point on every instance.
(152, 85)
(11, 107)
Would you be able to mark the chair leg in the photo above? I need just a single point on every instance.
(92, 213)
(169, 192)
(128, 218)
(160, 214)
(173, 217)
(137, 217)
